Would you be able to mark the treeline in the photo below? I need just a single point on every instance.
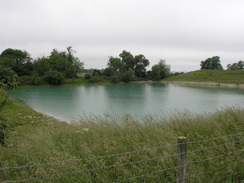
(53, 69)
(214, 63)
(17, 66)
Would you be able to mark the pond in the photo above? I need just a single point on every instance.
(72, 102)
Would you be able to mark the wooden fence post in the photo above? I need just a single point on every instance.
(182, 160)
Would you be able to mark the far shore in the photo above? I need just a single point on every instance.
(232, 85)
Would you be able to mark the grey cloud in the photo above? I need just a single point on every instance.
(182, 32)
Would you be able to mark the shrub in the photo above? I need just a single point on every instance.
(54, 77)
(128, 76)
(87, 76)
(115, 79)
(95, 79)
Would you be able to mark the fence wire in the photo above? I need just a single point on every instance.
(117, 154)
(129, 163)
(159, 171)
(92, 158)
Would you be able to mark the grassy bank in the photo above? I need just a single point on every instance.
(217, 76)
(33, 139)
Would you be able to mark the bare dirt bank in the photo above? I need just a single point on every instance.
(232, 85)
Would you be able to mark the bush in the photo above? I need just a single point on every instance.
(54, 77)
(87, 76)
(128, 76)
(25, 80)
(115, 79)
(37, 81)
(95, 79)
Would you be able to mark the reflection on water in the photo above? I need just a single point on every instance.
(72, 102)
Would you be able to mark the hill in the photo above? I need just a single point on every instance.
(216, 76)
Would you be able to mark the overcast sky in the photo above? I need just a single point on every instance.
(182, 32)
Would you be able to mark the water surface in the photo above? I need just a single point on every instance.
(72, 102)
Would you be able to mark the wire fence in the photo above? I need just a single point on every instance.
(204, 158)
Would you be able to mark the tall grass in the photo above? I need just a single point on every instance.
(36, 139)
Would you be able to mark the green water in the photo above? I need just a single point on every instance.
(72, 102)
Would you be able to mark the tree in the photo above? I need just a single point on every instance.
(42, 65)
(236, 66)
(160, 70)
(65, 62)
(108, 72)
(17, 60)
(141, 63)
(128, 59)
(116, 64)
(211, 64)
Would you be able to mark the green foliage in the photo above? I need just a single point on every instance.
(9, 80)
(95, 79)
(108, 72)
(116, 64)
(3, 123)
(160, 70)
(96, 72)
(87, 76)
(35, 80)
(5, 73)
(60, 61)
(140, 65)
(128, 76)
(236, 66)
(126, 67)
(115, 79)
(128, 59)
(211, 64)
(19, 63)
(17, 60)
(42, 65)
(54, 77)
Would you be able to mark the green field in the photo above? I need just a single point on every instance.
(217, 76)
(32, 138)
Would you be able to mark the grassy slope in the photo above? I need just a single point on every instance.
(34, 138)
(218, 76)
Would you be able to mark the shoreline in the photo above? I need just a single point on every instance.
(230, 85)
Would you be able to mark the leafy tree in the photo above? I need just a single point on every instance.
(42, 65)
(236, 66)
(211, 63)
(160, 70)
(8, 79)
(128, 59)
(108, 71)
(65, 62)
(17, 60)
(116, 64)
(121, 68)
(140, 65)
